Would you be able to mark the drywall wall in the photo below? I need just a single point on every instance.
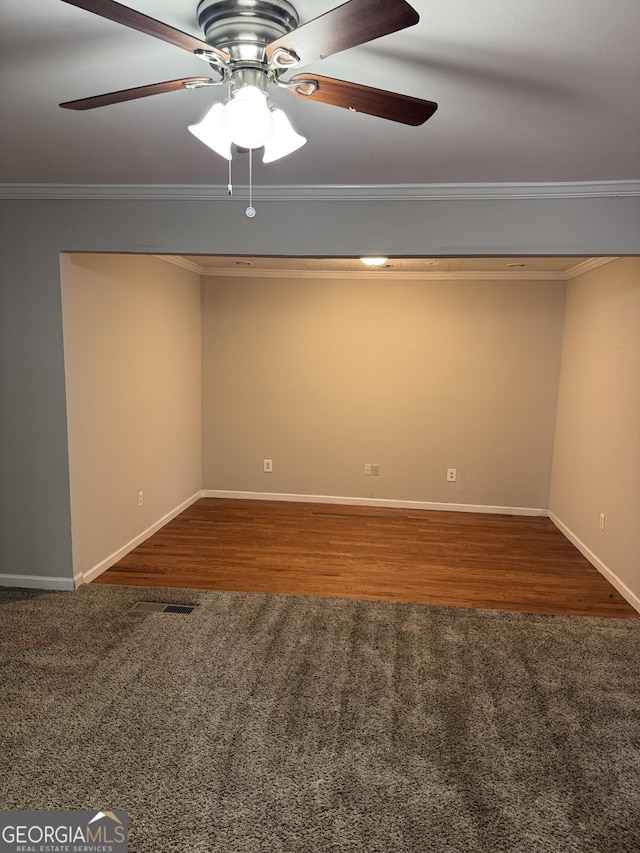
(596, 466)
(35, 522)
(132, 358)
(35, 513)
(324, 375)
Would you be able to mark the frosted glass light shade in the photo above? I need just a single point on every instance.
(246, 118)
(283, 139)
(248, 122)
(212, 133)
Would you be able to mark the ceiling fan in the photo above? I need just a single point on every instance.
(253, 44)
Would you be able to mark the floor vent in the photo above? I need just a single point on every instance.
(161, 607)
(179, 608)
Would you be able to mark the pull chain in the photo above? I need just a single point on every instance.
(229, 184)
(250, 211)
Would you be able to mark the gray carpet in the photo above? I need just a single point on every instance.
(285, 723)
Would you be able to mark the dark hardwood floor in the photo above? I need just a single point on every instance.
(461, 559)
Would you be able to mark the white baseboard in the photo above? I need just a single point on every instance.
(595, 561)
(37, 582)
(112, 559)
(382, 502)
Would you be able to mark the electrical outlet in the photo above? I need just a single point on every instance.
(452, 475)
(140, 498)
(267, 466)
(601, 521)
(367, 469)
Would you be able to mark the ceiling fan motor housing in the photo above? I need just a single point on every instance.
(244, 27)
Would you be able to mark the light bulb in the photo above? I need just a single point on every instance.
(374, 262)
(246, 118)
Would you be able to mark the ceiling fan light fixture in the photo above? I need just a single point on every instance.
(374, 262)
(211, 132)
(283, 139)
(248, 44)
(246, 119)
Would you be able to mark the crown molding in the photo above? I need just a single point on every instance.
(372, 192)
(587, 266)
(399, 275)
(402, 275)
(183, 263)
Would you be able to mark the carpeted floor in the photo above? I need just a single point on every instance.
(285, 723)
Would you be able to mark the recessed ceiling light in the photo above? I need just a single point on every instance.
(374, 262)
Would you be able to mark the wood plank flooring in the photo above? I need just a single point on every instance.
(461, 559)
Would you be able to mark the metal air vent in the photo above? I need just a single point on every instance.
(162, 607)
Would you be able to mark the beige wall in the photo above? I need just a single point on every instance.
(597, 448)
(323, 376)
(132, 364)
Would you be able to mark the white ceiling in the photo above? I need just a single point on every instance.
(528, 91)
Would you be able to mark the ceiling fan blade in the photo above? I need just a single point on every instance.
(364, 99)
(143, 23)
(132, 94)
(353, 23)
